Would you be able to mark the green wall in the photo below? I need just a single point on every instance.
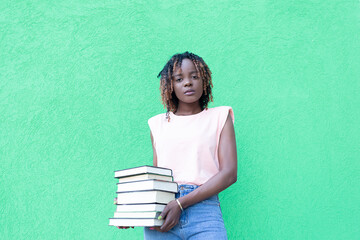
(78, 83)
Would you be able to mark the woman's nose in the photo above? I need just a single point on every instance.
(187, 82)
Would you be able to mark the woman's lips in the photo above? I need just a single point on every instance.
(190, 92)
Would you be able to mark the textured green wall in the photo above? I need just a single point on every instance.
(78, 83)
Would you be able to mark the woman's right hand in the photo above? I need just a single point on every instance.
(171, 215)
(120, 227)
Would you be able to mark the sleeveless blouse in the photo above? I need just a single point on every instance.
(189, 144)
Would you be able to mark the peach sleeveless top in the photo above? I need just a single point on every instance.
(189, 144)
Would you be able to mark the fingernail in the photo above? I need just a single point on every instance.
(160, 217)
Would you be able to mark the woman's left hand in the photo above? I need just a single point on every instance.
(171, 215)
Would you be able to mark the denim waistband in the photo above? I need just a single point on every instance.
(184, 189)
(187, 187)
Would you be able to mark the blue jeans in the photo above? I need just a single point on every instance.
(200, 221)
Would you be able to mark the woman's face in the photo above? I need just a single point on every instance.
(188, 86)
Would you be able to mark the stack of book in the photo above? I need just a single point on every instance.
(142, 194)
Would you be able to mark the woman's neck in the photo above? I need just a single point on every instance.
(188, 109)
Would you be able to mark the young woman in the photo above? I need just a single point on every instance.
(198, 144)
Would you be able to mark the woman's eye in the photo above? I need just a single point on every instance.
(178, 79)
(195, 77)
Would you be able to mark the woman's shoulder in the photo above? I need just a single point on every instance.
(157, 117)
(222, 111)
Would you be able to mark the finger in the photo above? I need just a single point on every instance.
(164, 213)
(166, 229)
(168, 224)
(165, 226)
(157, 229)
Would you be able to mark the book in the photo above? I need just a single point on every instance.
(136, 222)
(152, 207)
(146, 196)
(142, 194)
(147, 185)
(142, 170)
(137, 214)
(145, 176)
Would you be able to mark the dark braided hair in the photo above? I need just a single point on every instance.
(168, 96)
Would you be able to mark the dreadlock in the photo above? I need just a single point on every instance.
(168, 96)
